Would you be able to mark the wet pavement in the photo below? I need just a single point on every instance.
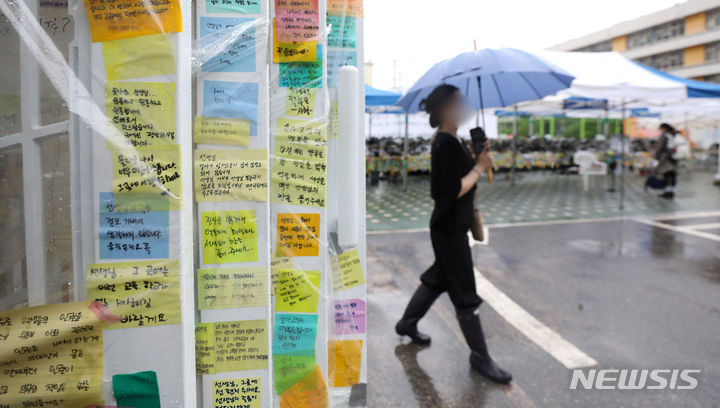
(628, 294)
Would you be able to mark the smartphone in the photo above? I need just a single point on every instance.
(478, 137)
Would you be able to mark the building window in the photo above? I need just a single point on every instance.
(712, 51)
(647, 61)
(640, 39)
(669, 30)
(669, 60)
(712, 19)
(604, 46)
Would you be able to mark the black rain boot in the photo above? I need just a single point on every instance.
(480, 359)
(419, 304)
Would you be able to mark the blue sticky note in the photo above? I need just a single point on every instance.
(233, 6)
(236, 56)
(302, 74)
(343, 31)
(294, 334)
(236, 100)
(337, 59)
(132, 235)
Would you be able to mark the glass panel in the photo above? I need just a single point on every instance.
(56, 208)
(13, 269)
(53, 17)
(9, 79)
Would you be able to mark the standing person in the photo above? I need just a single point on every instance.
(667, 165)
(452, 187)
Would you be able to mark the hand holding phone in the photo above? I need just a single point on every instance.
(479, 139)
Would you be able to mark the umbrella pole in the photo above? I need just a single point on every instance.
(405, 153)
(514, 145)
(622, 159)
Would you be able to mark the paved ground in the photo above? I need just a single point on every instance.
(537, 197)
(625, 293)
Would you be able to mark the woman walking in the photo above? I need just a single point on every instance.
(453, 178)
(667, 165)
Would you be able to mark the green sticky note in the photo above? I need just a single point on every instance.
(138, 390)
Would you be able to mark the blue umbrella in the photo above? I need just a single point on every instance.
(491, 79)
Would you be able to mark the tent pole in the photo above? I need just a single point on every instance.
(514, 144)
(405, 153)
(622, 159)
(370, 124)
(717, 139)
(530, 127)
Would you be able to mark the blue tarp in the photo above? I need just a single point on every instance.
(695, 89)
(378, 97)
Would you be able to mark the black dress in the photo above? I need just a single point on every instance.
(450, 221)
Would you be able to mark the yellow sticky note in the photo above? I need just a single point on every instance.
(143, 112)
(300, 51)
(115, 19)
(276, 265)
(300, 102)
(231, 346)
(298, 234)
(222, 288)
(51, 355)
(309, 392)
(153, 174)
(297, 291)
(347, 271)
(139, 57)
(299, 169)
(235, 393)
(229, 236)
(231, 175)
(344, 361)
(144, 293)
(333, 122)
(345, 8)
(222, 131)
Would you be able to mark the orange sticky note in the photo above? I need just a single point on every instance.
(116, 19)
(345, 8)
(297, 235)
(310, 392)
(301, 51)
(344, 360)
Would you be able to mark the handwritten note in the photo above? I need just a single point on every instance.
(298, 234)
(300, 102)
(239, 54)
(229, 236)
(310, 392)
(349, 316)
(153, 173)
(299, 172)
(337, 59)
(233, 6)
(346, 271)
(352, 8)
(143, 293)
(297, 20)
(237, 393)
(300, 51)
(344, 360)
(288, 370)
(139, 57)
(297, 291)
(222, 131)
(236, 100)
(223, 288)
(343, 31)
(231, 175)
(303, 74)
(231, 346)
(276, 265)
(294, 334)
(333, 121)
(51, 356)
(144, 112)
(115, 19)
(132, 235)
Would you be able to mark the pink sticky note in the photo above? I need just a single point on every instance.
(349, 316)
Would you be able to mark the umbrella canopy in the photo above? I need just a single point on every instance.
(491, 78)
(379, 97)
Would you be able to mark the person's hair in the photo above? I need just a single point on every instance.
(436, 101)
(668, 128)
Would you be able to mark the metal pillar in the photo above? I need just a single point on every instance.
(405, 152)
(622, 158)
(514, 144)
